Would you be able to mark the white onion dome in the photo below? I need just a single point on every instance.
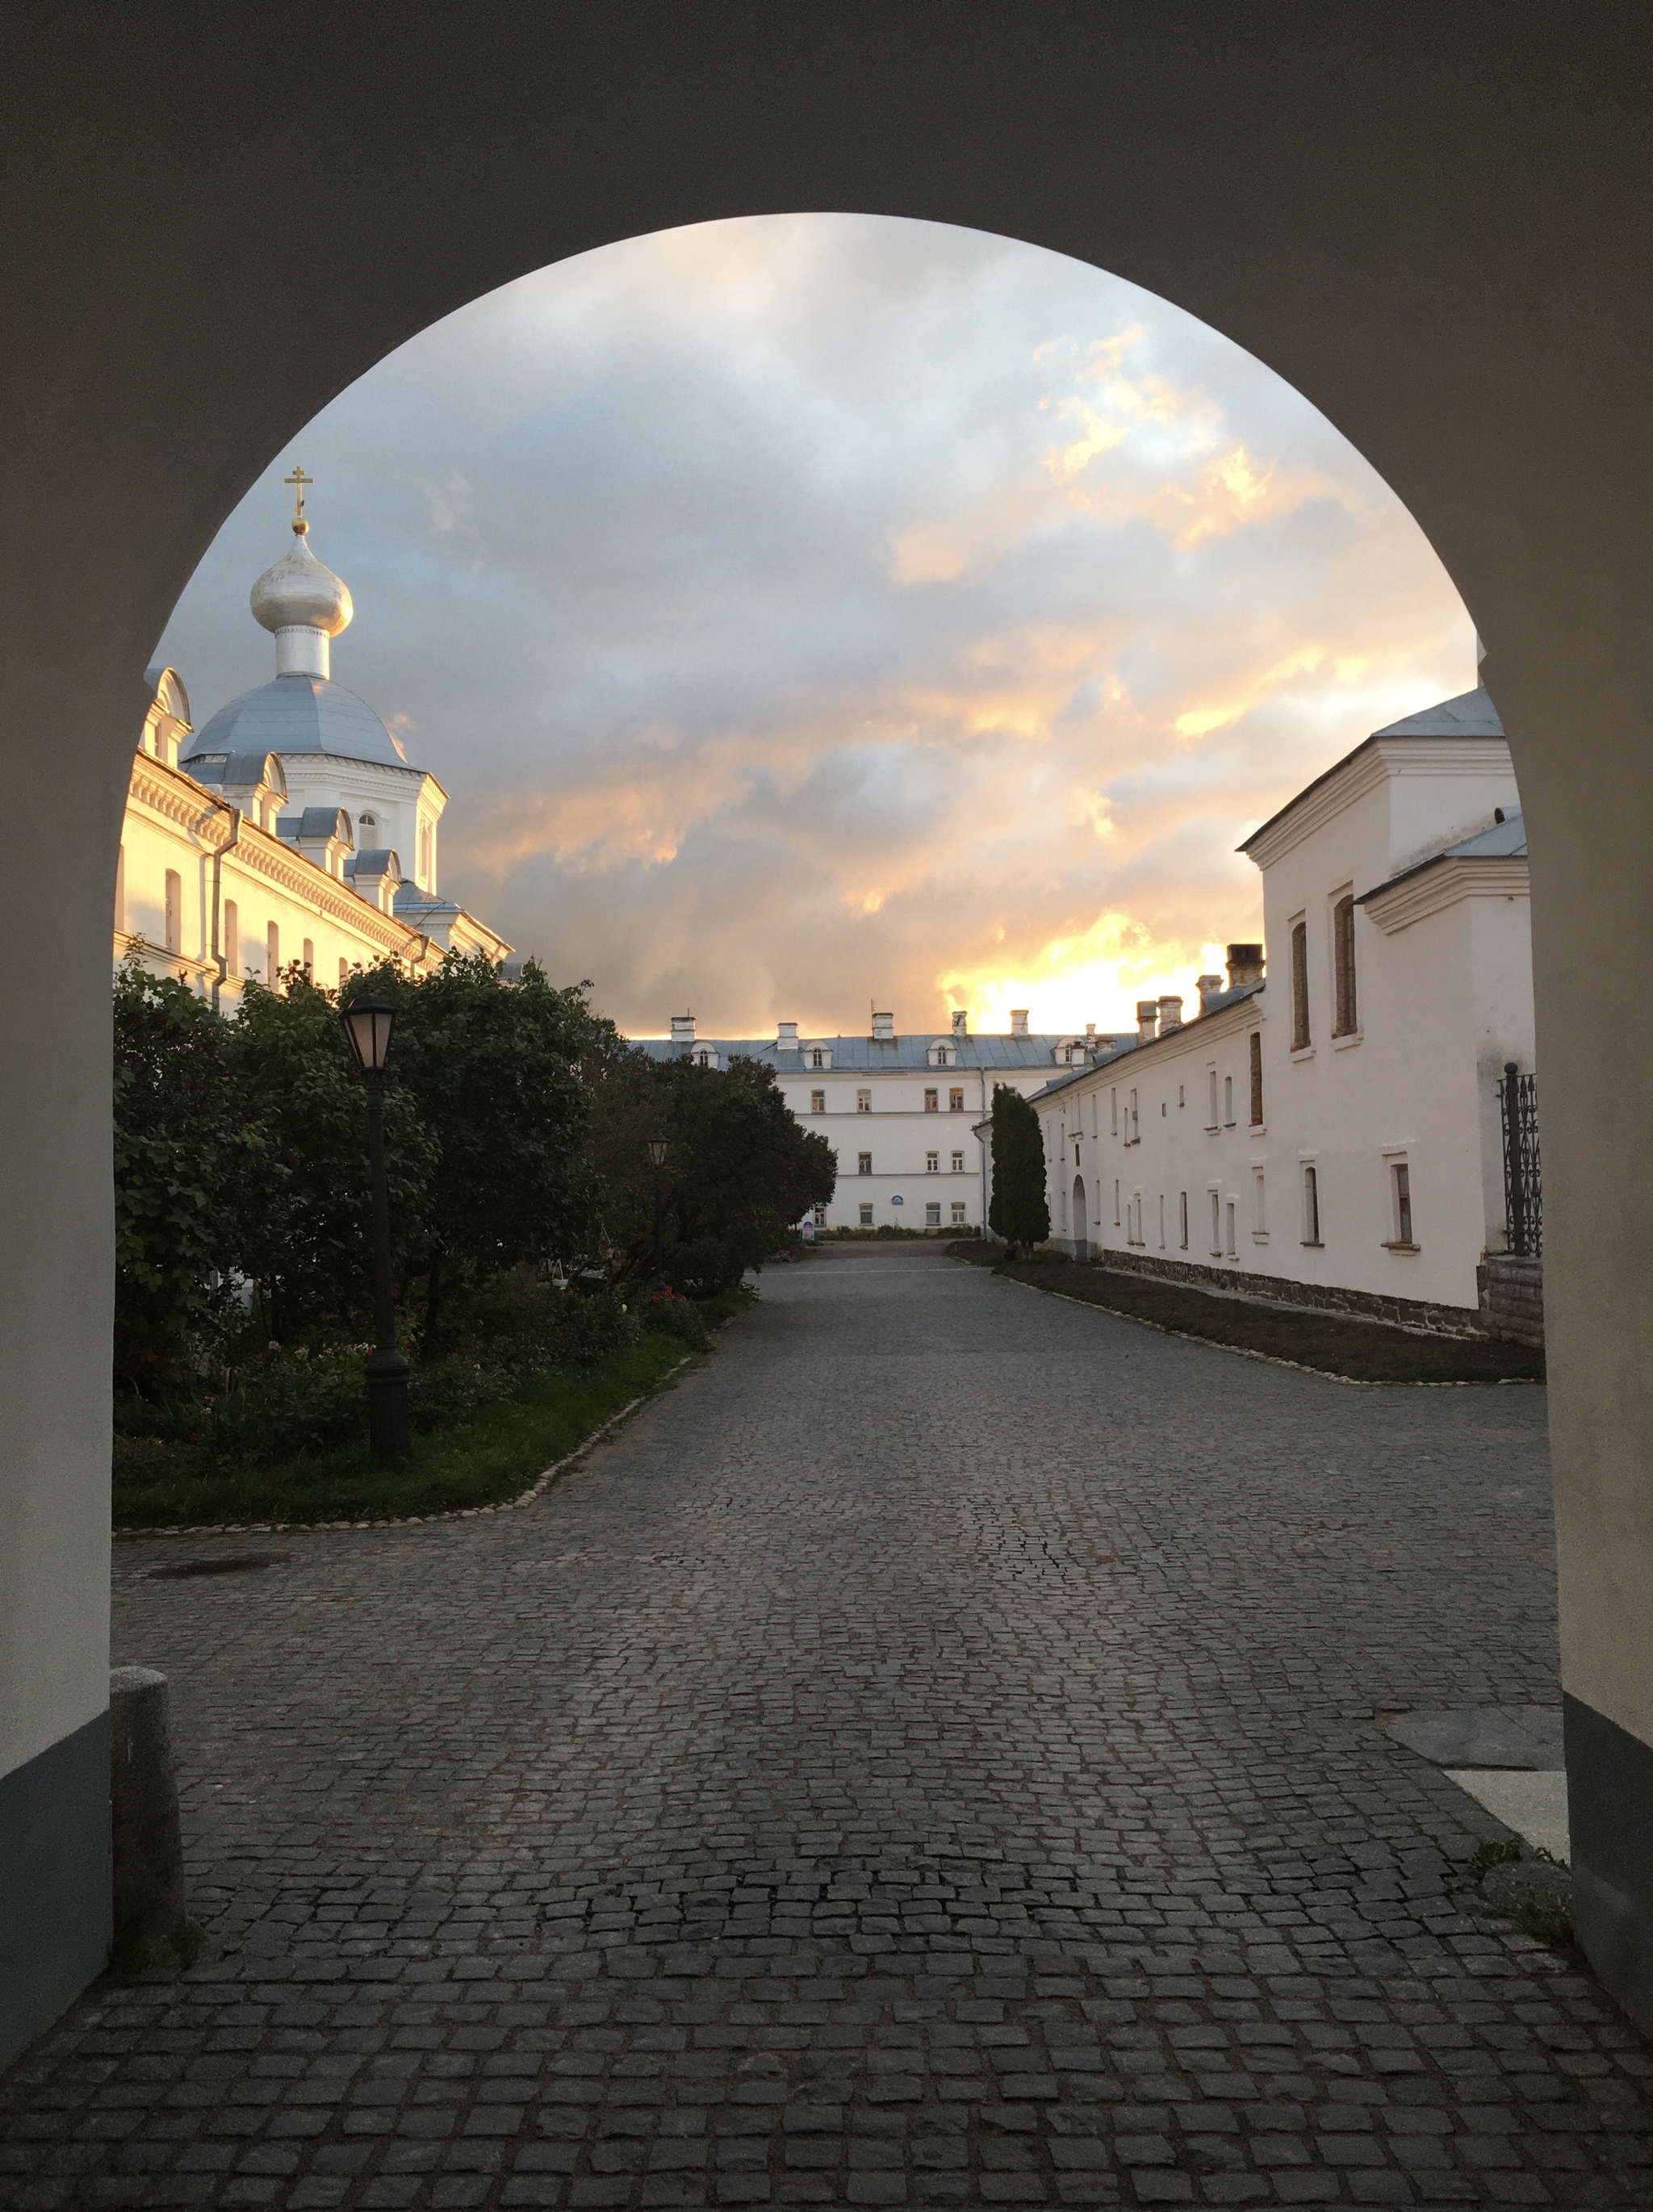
(300, 593)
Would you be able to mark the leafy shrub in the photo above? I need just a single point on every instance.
(665, 1313)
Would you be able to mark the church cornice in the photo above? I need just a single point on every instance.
(178, 797)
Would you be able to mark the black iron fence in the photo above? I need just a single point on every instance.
(1523, 1188)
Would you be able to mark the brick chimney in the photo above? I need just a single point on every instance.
(961, 1024)
(1209, 988)
(1171, 1015)
(883, 1028)
(1147, 1020)
(1018, 1022)
(682, 1028)
(786, 1036)
(1244, 965)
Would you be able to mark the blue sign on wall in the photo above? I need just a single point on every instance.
(896, 1200)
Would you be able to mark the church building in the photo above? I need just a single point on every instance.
(292, 829)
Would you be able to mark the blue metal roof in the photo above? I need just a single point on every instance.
(1503, 841)
(299, 714)
(870, 1055)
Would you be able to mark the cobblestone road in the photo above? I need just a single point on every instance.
(931, 1757)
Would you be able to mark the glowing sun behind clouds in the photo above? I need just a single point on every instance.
(803, 611)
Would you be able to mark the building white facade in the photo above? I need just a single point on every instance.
(1332, 1135)
(292, 828)
(905, 1114)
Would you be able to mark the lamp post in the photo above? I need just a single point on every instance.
(658, 1148)
(367, 1022)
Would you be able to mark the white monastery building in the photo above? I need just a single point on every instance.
(1331, 1136)
(906, 1115)
(291, 829)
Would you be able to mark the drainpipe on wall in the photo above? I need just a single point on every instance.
(220, 960)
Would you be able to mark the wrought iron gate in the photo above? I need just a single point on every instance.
(1524, 1189)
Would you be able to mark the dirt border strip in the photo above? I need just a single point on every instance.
(536, 1489)
(1268, 1359)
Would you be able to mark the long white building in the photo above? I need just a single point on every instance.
(1332, 1135)
(905, 1114)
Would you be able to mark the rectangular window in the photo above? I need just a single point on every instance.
(1133, 1122)
(343, 973)
(932, 1215)
(1345, 1016)
(1215, 1226)
(1310, 1206)
(863, 1102)
(818, 1058)
(1228, 1102)
(1113, 1113)
(1255, 1051)
(932, 1101)
(954, 1102)
(231, 943)
(867, 1216)
(1182, 1215)
(959, 1163)
(272, 954)
(1161, 1220)
(1211, 1116)
(1116, 1201)
(309, 960)
(863, 1163)
(1402, 1175)
(958, 1212)
(175, 920)
(1259, 1213)
(932, 1163)
(818, 1101)
(1299, 985)
(1229, 1211)
(1179, 1098)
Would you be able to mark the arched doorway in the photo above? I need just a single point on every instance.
(1078, 1243)
(172, 326)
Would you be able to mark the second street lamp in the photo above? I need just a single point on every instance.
(659, 1146)
(369, 1021)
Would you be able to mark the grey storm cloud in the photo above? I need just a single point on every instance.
(803, 609)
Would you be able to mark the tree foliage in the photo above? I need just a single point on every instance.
(1017, 1210)
(516, 1124)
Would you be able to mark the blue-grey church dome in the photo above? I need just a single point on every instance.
(300, 715)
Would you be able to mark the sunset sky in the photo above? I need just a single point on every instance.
(804, 612)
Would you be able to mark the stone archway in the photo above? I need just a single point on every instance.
(1436, 224)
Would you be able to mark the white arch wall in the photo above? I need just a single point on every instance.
(1435, 223)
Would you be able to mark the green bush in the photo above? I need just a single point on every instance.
(663, 1313)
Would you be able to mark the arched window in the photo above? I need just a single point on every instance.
(272, 953)
(309, 960)
(1347, 1016)
(424, 854)
(231, 938)
(174, 918)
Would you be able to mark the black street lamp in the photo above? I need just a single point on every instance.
(369, 1021)
(659, 1146)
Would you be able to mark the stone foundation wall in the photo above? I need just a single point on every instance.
(1417, 1313)
(1512, 1298)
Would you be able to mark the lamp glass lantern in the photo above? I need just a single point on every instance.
(369, 1021)
(658, 1148)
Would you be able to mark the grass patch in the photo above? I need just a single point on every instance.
(1365, 1352)
(493, 1455)
(1545, 1918)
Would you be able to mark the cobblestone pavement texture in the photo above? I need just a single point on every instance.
(933, 1756)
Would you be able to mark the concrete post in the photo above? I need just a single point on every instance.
(148, 1847)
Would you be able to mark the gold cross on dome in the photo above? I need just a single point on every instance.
(298, 480)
